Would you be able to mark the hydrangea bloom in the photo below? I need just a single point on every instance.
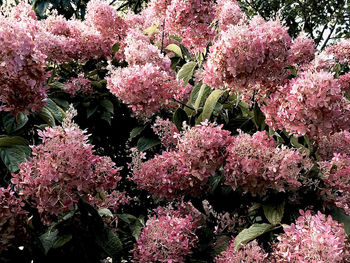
(63, 169)
(344, 82)
(255, 165)
(336, 143)
(145, 88)
(248, 253)
(166, 238)
(341, 51)
(302, 51)
(10, 213)
(228, 13)
(79, 84)
(313, 238)
(166, 131)
(22, 64)
(312, 105)
(191, 20)
(249, 57)
(158, 8)
(186, 169)
(336, 180)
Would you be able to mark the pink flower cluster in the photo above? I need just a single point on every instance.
(166, 131)
(191, 20)
(79, 84)
(302, 51)
(166, 238)
(186, 169)
(248, 253)
(249, 57)
(22, 64)
(254, 164)
(63, 169)
(336, 180)
(145, 88)
(344, 82)
(229, 13)
(336, 143)
(312, 104)
(10, 212)
(341, 51)
(313, 238)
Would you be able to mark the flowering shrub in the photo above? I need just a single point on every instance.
(313, 238)
(166, 238)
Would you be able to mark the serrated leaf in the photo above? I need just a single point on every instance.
(192, 99)
(105, 212)
(62, 240)
(12, 123)
(58, 85)
(186, 72)
(203, 94)
(210, 103)
(136, 132)
(144, 143)
(179, 117)
(14, 155)
(108, 105)
(46, 114)
(175, 48)
(340, 215)
(127, 218)
(12, 140)
(109, 242)
(107, 117)
(251, 233)
(274, 212)
(54, 109)
(136, 229)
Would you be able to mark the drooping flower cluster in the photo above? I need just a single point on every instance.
(22, 64)
(313, 238)
(79, 84)
(312, 104)
(336, 180)
(302, 51)
(10, 212)
(254, 164)
(248, 253)
(191, 20)
(145, 89)
(229, 13)
(186, 169)
(167, 237)
(64, 169)
(249, 57)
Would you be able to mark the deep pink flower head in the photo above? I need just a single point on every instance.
(344, 82)
(249, 58)
(146, 89)
(336, 179)
(186, 169)
(254, 164)
(341, 51)
(313, 238)
(168, 237)
(79, 84)
(312, 104)
(22, 64)
(166, 131)
(336, 143)
(302, 51)
(191, 19)
(11, 215)
(65, 168)
(228, 13)
(248, 253)
(158, 8)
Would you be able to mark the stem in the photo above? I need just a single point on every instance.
(163, 33)
(183, 104)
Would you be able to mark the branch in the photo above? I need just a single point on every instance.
(330, 34)
(183, 104)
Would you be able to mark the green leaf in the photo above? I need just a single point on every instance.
(56, 112)
(109, 242)
(153, 29)
(210, 103)
(251, 233)
(136, 229)
(203, 94)
(259, 118)
(14, 155)
(48, 239)
(274, 212)
(192, 99)
(107, 117)
(46, 114)
(116, 48)
(127, 218)
(339, 215)
(105, 212)
(179, 117)
(13, 140)
(108, 105)
(57, 85)
(145, 143)
(12, 123)
(91, 110)
(62, 240)
(136, 132)
(176, 49)
(186, 72)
